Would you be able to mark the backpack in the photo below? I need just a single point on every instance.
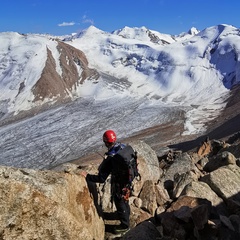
(125, 165)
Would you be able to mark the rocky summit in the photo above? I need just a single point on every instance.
(181, 195)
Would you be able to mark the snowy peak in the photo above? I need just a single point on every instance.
(221, 30)
(144, 34)
(91, 32)
(193, 31)
(187, 35)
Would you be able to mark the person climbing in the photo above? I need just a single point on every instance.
(120, 179)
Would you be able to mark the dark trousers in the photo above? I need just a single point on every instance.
(123, 210)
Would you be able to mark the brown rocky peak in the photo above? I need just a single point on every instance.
(75, 70)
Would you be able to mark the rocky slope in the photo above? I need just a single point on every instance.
(195, 196)
(181, 195)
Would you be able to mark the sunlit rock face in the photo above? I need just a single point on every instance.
(46, 205)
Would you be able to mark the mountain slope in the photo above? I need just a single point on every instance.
(74, 71)
(37, 69)
(190, 71)
(160, 68)
(129, 80)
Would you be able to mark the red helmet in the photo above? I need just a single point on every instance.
(109, 136)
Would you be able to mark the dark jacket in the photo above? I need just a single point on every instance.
(108, 166)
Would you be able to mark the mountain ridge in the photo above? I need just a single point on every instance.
(103, 80)
(143, 71)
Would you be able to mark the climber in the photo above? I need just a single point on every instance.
(119, 179)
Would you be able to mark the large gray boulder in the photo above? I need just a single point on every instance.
(144, 231)
(200, 189)
(221, 159)
(148, 165)
(181, 165)
(225, 181)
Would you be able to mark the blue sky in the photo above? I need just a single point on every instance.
(60, 17)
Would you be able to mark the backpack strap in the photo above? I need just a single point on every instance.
(114, 150)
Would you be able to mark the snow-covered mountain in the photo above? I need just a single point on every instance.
(129, 80)
(37, 69)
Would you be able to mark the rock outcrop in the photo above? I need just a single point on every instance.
(74, 71)
(46, 205)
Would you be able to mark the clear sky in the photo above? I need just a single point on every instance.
(60, 17)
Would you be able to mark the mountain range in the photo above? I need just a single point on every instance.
(58, 94)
